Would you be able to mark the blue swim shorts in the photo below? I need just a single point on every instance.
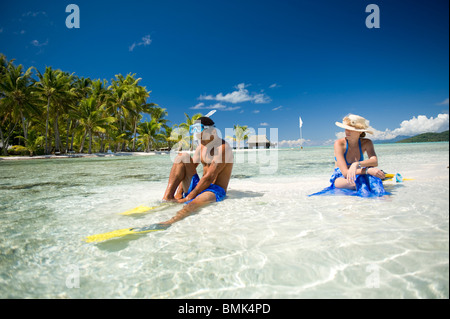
(217, 190)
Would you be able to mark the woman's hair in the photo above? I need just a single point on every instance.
(363, 134)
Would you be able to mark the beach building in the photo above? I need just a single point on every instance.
(258, 141)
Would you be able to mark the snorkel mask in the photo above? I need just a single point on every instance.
(198, 127)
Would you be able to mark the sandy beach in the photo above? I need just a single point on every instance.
(84, 155)
(81, 155)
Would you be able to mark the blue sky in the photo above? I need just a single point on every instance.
(260, 63)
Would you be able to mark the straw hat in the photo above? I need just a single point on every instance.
(356, 123)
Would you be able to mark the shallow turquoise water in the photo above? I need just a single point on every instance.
(267, 240)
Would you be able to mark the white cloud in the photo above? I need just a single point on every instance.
(256, 111)
(416, 125)
(36, 43)
(239, 96)
(1, 30)
(264, 124)
(277, 108)
(445, 102)
(275, 85)
(292, 143)
(199, 106)
(231, 108)
(145, 41)
(217, 106)
(34, 14)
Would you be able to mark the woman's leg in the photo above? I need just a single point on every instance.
(342, 183)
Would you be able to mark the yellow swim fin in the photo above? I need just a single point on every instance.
(143, 209)
(124, 232)
(397, 177)
(138, 210)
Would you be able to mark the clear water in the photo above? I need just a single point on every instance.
(266, 240)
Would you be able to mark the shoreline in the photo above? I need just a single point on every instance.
(81, 155)
(152, 153)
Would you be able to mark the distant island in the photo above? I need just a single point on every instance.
(427, 137)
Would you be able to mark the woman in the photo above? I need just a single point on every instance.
(352, 171)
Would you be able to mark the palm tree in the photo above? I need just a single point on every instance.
(92, 120)
(148, 133)
(81, 88)
(241, 133)
(139, 105)
(3, 65)
(179, 136)
(186, 125)
(126, 99)
(65, 102)
(99, 90)
(33, 142)
(8, 124)
(16, 87)
(51, 87)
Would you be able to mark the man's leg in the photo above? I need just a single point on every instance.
(181, 173)
(200, 201)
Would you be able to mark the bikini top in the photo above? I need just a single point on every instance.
(361, 157)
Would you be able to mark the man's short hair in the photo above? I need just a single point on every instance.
(205, 121)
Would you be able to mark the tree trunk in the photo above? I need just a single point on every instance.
(90, 142)
(149, 143)
(134, 138)
(67, 134)
(4, 146)
(46, 126)
(82, 142)
(73, 136)
(25, 129)
(57, 138)
(102, 145)
(5, 141)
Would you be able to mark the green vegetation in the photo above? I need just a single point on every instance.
(241, 133)
(427, 137)
(57, 112)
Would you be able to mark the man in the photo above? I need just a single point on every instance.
(185, 186)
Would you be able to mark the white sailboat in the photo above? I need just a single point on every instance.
(301, 137)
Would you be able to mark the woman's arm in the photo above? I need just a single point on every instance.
(371, 163)
(372, 160)
(357, 168)
(348, 172)
(339, 154)
(368, 166)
